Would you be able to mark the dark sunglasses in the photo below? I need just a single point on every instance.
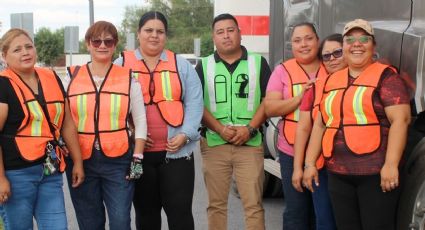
(362, 39)
(98, 42)
(337, 54)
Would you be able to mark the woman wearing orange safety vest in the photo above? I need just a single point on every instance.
(361, 130)
(102, 97)
(330, 51)
(173, 98)
(285, 90)
(33, 115)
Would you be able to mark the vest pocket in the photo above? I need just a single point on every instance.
(362, 139)
(220, 86)
(328, 141)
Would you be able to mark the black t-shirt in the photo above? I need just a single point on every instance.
(15, 116)
(264, 74)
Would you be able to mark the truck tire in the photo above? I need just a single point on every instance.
(411, 210)
(272, 184)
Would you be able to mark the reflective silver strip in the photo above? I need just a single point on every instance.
(210, 83)
(252, 71)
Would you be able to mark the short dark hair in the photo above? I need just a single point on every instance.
(331, 38)
(100, 27)
(153, 15)
(308, 24)
(221, 17)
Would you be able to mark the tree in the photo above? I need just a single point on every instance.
(50, 45)
(187, 19)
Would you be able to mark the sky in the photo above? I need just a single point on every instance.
(55, 14)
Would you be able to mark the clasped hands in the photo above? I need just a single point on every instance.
(236, 135)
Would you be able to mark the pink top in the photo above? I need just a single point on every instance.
(157, 129)
(279, 82)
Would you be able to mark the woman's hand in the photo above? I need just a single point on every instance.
(310, 174)
(389, 177)
(4, 189)
(77, 174)
(177, 142)
(297, 178)
(149, 142)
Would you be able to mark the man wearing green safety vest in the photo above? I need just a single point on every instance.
(234, 82)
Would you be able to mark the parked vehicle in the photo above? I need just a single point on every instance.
(192, 58)
(400, 34)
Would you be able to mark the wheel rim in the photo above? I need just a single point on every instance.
(271, 136)
(418, 219)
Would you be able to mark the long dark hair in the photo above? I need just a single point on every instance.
(153, 15)
(331, 38)
(308, 24)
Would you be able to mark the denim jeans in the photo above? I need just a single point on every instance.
(298, 213)
(34, 195)
(104, 185)
(322, 203)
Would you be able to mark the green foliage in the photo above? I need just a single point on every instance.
(187, 20)
(50, 45)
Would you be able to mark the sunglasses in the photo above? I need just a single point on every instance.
(98, 42)
(362, 39)
(337, 54)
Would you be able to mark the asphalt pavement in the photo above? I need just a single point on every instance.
(273, 207)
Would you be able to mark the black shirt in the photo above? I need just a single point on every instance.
(15, 116)
(264, 74)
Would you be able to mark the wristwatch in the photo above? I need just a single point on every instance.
(187, 138)
(252, 131)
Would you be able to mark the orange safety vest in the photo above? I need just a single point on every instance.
(34, 132)
(349, 107)
(102, 114)
(297, 79)
(161, 87)
(318, 92)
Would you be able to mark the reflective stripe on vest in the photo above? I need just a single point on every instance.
(322, 76)
(232, 98)
(297, 79)
(358, 106)
(101, 114)
(349, 107)
(82, 112)
(166, 88)
(38, 116)
(34, 131)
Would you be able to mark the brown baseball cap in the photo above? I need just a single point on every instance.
(358, 23)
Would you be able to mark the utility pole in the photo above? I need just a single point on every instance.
(91, 10)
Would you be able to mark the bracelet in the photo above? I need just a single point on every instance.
(138, 155)
(309, 165)
(187, 138)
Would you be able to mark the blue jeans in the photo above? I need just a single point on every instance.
(104, 185)
(34, 195)
(298, 213)
(322, 204)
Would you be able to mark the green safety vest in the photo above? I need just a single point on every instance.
(234, 98)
